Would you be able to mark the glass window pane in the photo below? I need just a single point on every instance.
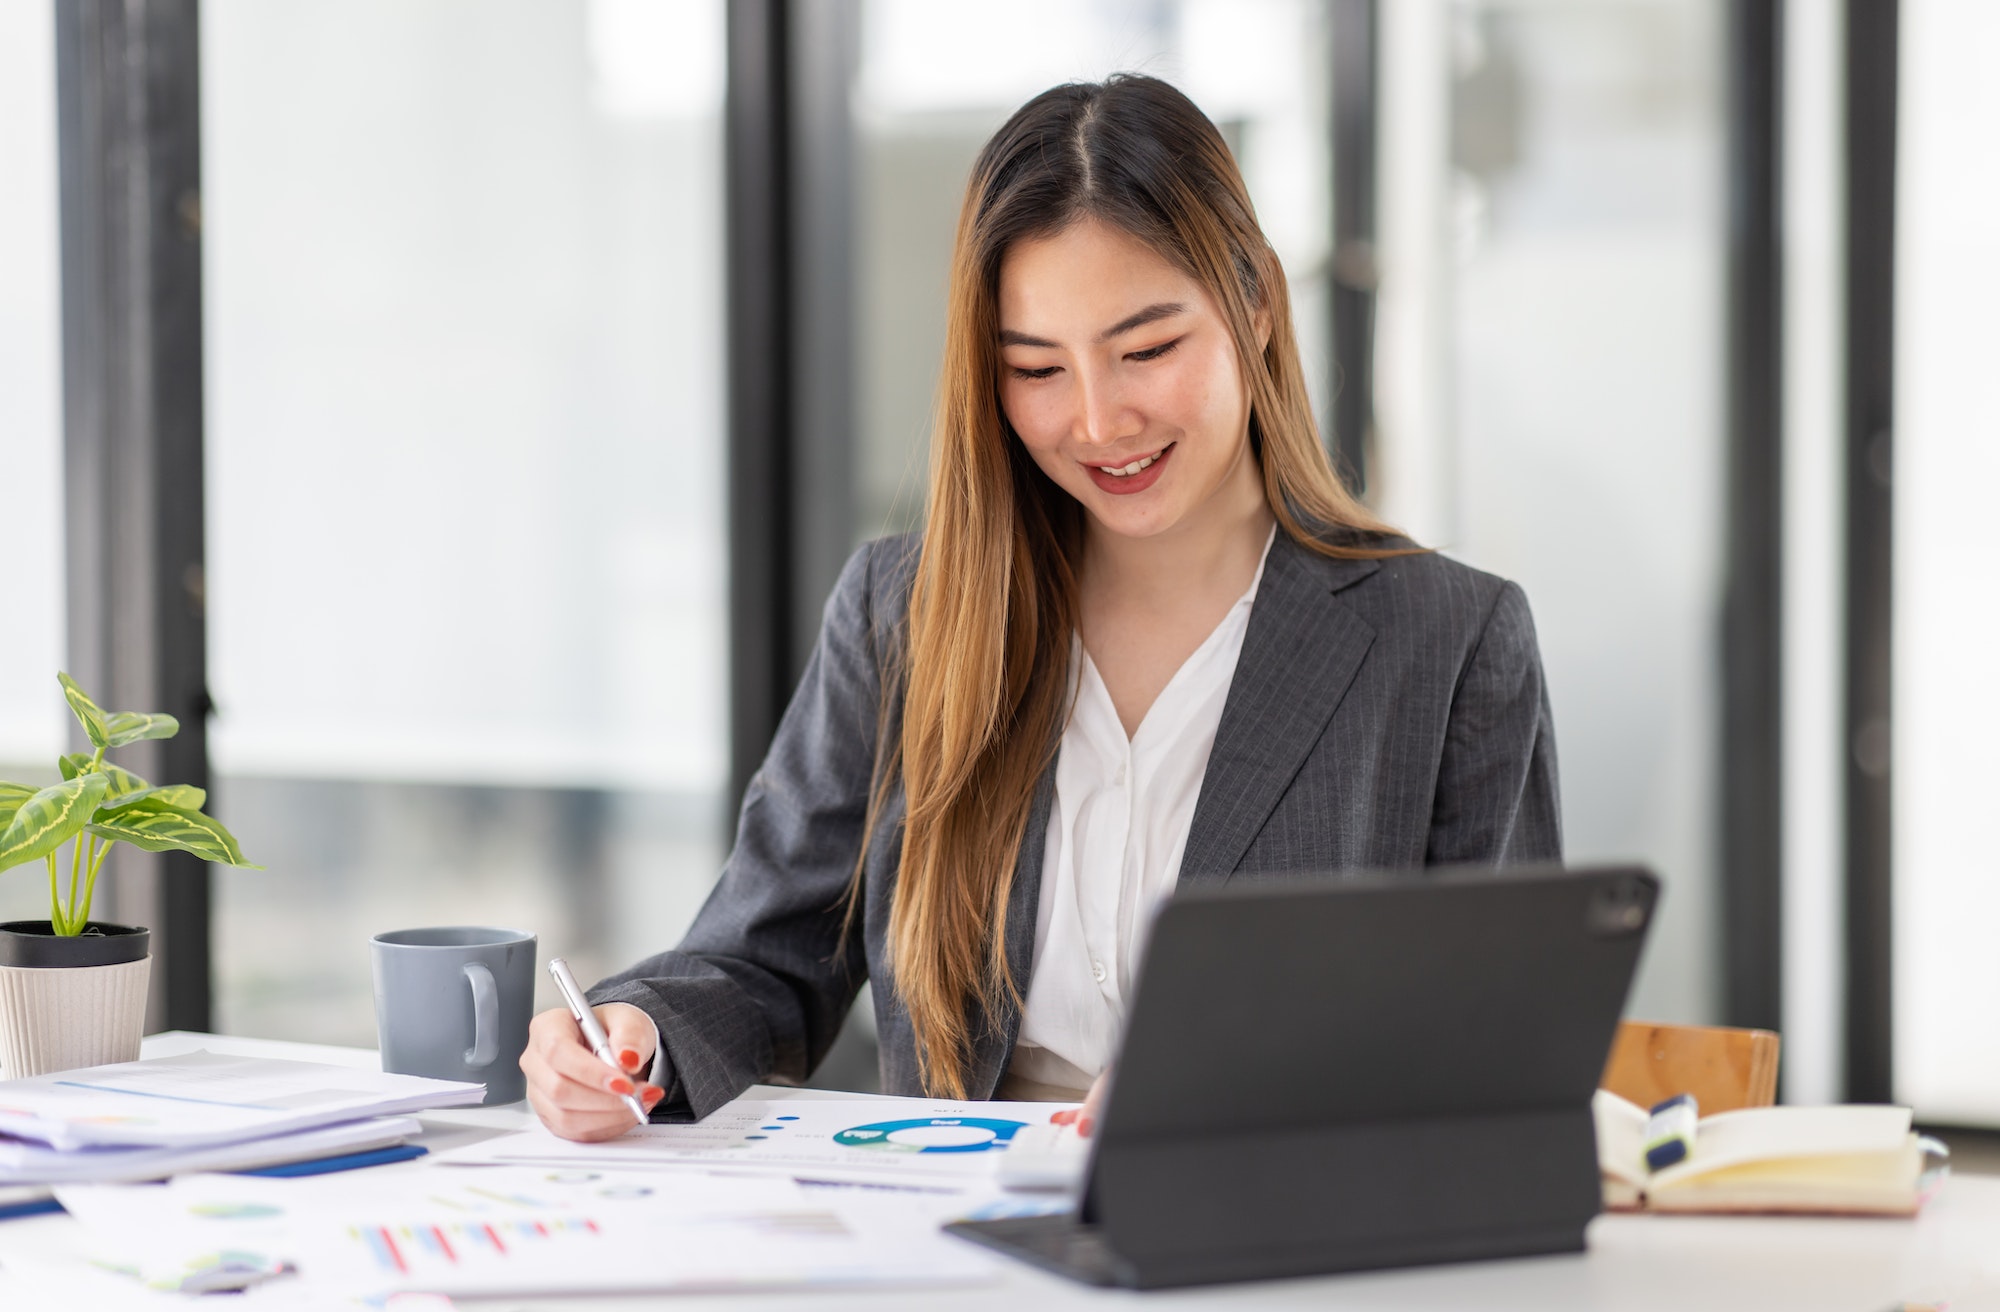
(1947, 463)
(465, 481)
(1551, 393)
(33, 722)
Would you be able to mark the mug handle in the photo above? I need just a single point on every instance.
(485, 1016)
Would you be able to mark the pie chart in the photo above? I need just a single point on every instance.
(940, 1134)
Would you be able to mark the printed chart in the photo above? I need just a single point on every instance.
(499, 1230)
(809, 1138)
(932, 1134)
(399, 1251)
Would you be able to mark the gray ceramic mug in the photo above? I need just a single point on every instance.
(454, 1003)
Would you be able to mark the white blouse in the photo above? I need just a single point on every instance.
(1116, 833)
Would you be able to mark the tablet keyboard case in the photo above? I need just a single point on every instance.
(1393, 1071)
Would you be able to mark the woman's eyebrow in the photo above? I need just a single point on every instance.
(1151, 314)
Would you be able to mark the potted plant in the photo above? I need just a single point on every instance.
(73, 990)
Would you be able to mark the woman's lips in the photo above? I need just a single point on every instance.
(1124, 485)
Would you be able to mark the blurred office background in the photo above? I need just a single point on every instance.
(551, 354)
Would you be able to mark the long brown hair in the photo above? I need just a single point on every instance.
(984, 664)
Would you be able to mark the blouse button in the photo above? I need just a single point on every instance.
(1097, 971)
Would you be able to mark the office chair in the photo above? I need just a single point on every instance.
(1723, 1068)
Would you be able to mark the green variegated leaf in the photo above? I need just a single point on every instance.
(122, 781)
(158, 827)
(137, 726)
(186, 797)
(87, 712)
(11, 797)
(51, 818)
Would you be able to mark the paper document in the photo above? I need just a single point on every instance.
(514, 1231)
(34, 1163)
(903, 1138)
(202, 1098)
(1763, 1133)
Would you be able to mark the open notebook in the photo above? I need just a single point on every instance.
(1857, 1160)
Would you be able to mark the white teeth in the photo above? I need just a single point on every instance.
(1128, 470)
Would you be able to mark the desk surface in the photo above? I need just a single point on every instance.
(1635, 1263)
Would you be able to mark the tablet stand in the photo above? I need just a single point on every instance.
(1344, 1197)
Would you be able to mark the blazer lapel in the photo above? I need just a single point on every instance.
(1300, 654)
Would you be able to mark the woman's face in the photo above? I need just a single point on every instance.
(1120, 375)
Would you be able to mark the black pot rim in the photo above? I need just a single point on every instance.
(36, 945)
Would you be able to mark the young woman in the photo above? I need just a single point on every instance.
(1145, 636)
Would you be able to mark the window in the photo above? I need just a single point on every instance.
(1946, 710)
(465, 462)
(1550, 394)
(34, 726)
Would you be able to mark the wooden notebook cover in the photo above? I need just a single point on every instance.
(1725, 1069)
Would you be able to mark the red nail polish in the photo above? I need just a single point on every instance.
(628, 1056)
(1085, 1125)
(621, 1087)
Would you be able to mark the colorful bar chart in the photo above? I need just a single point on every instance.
(409, 1250)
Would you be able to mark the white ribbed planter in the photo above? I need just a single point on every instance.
(57, 1019)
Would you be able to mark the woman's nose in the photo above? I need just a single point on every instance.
(1103, 416)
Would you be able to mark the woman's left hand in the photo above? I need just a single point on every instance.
(1084, 1118)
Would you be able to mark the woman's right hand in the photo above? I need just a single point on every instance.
(576, 1095)
(1084, 1118)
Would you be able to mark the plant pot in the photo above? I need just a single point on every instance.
(70, 1001)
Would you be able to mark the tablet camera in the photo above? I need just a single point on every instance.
(1619, 910)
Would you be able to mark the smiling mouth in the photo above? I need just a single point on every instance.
(1126, 471)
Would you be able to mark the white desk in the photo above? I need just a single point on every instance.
(1635, 1263)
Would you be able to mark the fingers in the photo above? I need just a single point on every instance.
(631, 1033)
(1084, 1118)
(581, 1127)
(1093, 1104)
(576, 1095)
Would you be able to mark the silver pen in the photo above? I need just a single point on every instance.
(593, 1033)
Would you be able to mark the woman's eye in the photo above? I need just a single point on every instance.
(1047, 371)
(1154, 352)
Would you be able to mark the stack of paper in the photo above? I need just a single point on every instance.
(145, 1120)
(41, 1164)
(518, 1232)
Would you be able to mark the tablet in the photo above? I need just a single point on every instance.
(1324, 1073)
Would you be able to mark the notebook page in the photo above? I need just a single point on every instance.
(1769, 1133)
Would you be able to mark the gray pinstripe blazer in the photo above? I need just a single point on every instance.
(1383, 714)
